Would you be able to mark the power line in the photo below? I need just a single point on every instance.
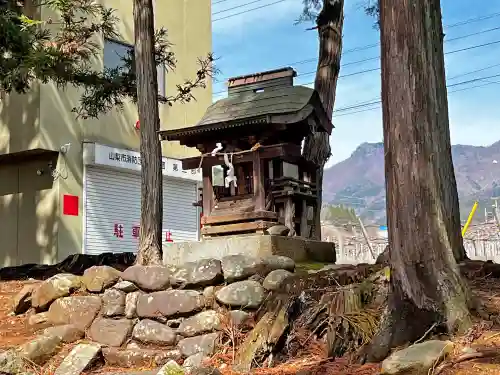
(360, 111)
(474, 71)
(361, 48)
(369, 46)
(447, 53)
(217, 2)
(361, 105)
(472, 47)
(376, 100)
(248, 10)
(473, 87)
(473, 80)
(475, 19)
(375, 69)
(236, 7)
(245, 11)
(473, 34)
(450, 92)
(460, 23)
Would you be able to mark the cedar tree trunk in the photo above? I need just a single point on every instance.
(422, 206)
(317, 145)
(150, 244)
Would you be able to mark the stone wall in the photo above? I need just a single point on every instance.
(148, 315)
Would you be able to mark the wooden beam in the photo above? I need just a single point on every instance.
(280, 196)
(287, 151)
(241, 216)
(251, 226)
(281, 181)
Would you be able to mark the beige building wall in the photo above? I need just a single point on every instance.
(43, 119)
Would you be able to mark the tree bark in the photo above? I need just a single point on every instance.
(422, 205)
(317, 149)
(150, 241)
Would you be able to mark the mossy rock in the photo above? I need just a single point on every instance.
(311, 266)
(172, 368)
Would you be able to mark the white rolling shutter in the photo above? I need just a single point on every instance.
(113, 207)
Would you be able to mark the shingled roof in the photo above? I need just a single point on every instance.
(276, 101)
(255, 105)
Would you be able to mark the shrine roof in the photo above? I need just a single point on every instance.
(250, 107)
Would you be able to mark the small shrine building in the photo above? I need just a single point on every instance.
(254, 174)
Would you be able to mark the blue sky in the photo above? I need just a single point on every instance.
(267, 38)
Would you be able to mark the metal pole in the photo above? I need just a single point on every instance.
(496, 213)
(365, 235)
(469, 219)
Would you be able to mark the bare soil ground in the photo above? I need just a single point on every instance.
(15, 331)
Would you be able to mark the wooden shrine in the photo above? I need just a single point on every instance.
(254, 176)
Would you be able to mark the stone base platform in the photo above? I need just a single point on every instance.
(256, 245)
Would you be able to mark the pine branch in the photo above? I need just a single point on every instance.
(63, 51)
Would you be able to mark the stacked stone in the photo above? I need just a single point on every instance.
(153, 314)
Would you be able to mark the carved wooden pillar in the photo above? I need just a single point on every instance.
(304, 227)
(290, 216)
(258, 182)
(208, 191)
(240, 175)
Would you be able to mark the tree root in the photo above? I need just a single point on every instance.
(354, 309)
(474, 269)
(266, 336)
(402, 322)
(465, 357)
(149, 253)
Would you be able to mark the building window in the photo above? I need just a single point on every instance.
(162, 79)
(114, 54)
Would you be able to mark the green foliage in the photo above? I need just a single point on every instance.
(321, 12)
(338, 214)
(310, 10)
(30, 51)
(63, 51)
(372, 9)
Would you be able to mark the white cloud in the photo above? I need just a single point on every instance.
(272, 11)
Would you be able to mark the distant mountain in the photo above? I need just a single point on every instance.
(358, 181)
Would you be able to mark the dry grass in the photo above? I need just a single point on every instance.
(14, 330)
(310, 364)
(310, 356)
(232, 336)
